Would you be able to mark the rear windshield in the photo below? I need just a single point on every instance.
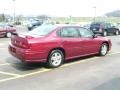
(95, 25)
(42, 30)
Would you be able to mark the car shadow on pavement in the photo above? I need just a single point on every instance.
(17, 64)
(79, 59)
(113, 84)
(21, 66)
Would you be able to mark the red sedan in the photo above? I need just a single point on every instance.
(6, 30)
(55, 43)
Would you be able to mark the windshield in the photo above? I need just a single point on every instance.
(42, 30)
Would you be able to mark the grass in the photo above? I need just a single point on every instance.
(85, 19)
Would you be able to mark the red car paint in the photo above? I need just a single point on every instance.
(36, 49)
(6, 29)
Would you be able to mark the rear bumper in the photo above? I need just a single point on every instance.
(27, 55)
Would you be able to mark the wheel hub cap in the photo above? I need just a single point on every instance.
(56, 59)
(104, 49)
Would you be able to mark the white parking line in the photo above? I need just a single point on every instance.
(112, 53)
(1, 44)
(8, 79)
(88, 59)
(85, 60)
(37, 72)
(4, 64)
(11, 74)
(3, 48)
(17, 76)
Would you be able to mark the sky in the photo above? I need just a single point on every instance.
(60, 8)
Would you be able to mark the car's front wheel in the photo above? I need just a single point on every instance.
(103, 50)
(55, 58)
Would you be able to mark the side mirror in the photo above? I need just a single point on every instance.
(96, 35)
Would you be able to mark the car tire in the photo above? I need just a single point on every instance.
(105, 33)
(29, 29)
(116, 32)
(103, 49)
(55, 58)
(8, 35)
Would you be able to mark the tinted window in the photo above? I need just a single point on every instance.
(85, 32)
(42, 30)
(69, 32)
(95, 25)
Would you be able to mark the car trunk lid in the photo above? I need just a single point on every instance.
(20, 41)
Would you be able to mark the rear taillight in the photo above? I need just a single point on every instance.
(21, 44)
(29, 37)
(25, 45)
(20, 41)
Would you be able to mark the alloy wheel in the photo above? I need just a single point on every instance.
(104, 49)
(56, 58)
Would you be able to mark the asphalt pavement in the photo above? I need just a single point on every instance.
(90, 73)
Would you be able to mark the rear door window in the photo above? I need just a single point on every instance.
(42, 30)
(95, 25)
(70, 32)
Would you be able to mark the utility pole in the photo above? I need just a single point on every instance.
(94, 18)
(70, 19)
(14, 11)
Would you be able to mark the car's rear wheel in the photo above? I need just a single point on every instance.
(116, 32)
(103, 50)
(105, 33)
(55, 59)
(8, 35)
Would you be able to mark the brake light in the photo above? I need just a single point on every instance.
(20, 41)
(24, 45)
(21, 44)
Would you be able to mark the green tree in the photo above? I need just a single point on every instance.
(2, 17)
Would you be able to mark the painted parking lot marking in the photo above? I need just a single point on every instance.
(8, 79)
(17, 76)
(11, 74)
(112, 53)
(2, 44)
(3, 48)
(4, 64)
(37, 72)
(77, 62)
(42, 70)
(89, 59)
